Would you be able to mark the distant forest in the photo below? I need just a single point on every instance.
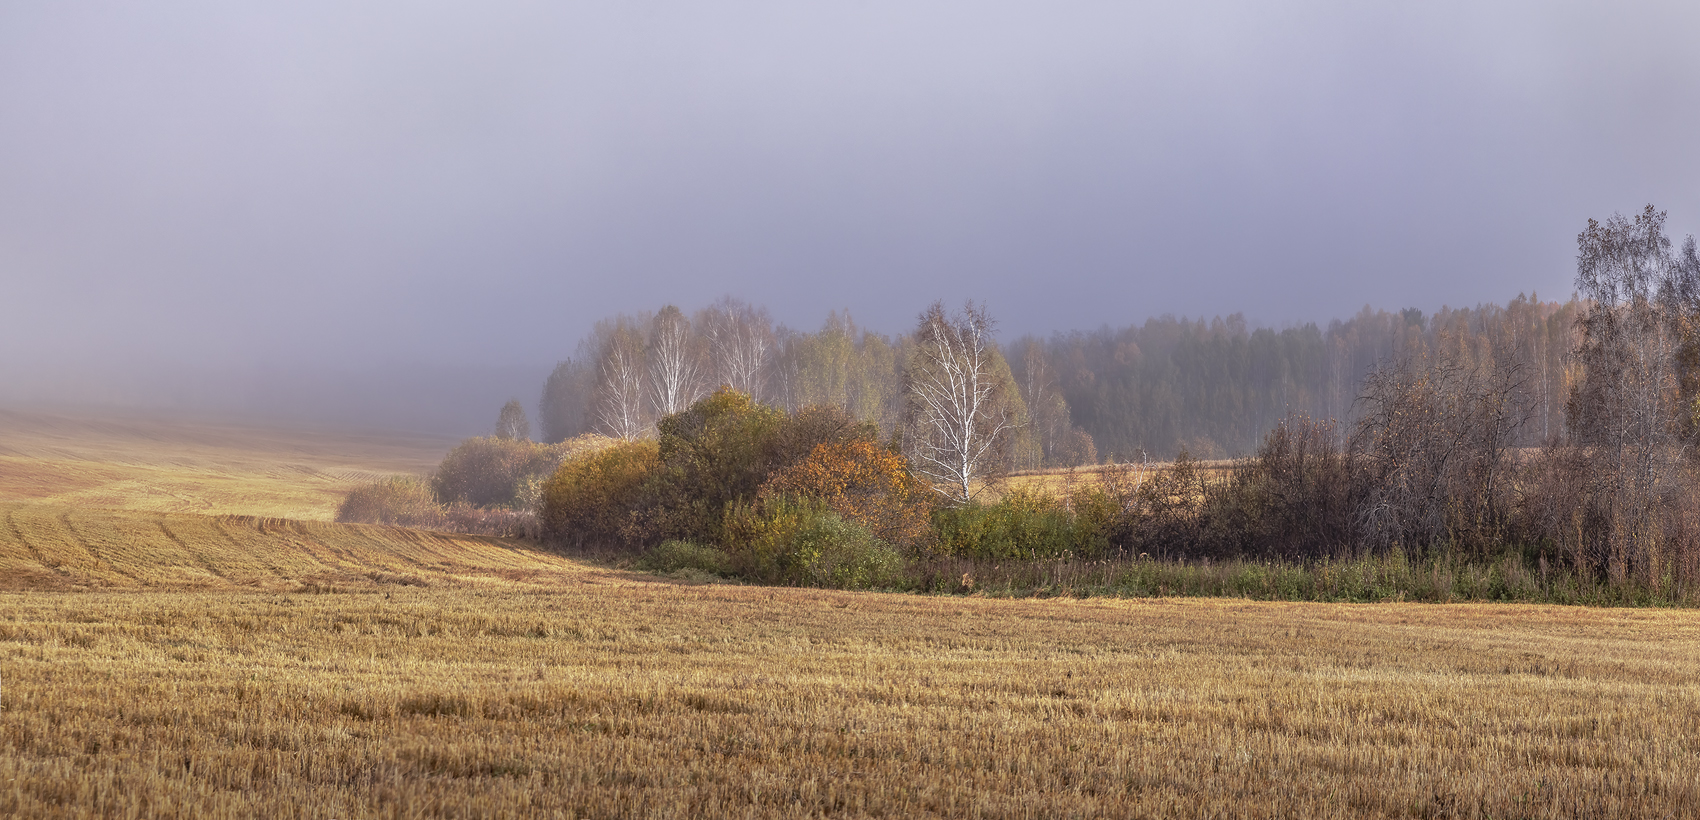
(1213, 387)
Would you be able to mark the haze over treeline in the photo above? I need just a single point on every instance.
(1134, 392)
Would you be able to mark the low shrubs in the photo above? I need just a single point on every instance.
(488, 486)
(808, 498)
(1023, 525)
(398, 500)
(683, 556)
(406, 501)
(601, 500)
(803, 542)
(493, 471)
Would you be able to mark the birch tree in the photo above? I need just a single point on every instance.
(512, 424)
(620, 401)
(674, 362)
(741, 344)
(959, 414)
(1628, 408)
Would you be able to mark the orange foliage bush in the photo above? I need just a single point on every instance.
(862, 482)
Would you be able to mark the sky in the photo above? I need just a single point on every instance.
(192, 193)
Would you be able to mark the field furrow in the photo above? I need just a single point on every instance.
(43, 545)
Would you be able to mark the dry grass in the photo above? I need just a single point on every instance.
(139, 462)
(635, 698)
(1059, 481)
(50, 546)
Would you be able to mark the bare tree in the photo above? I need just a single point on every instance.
(512, 424)
(1627, 409)
(674, 362)
(1435, 436)
(741, 344)
(621, 407)
(958, 414)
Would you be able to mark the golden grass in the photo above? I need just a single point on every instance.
(139, 462)
(1057, 481)
(611, 697)
(51, 546)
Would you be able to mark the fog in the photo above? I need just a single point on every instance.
(403, 213)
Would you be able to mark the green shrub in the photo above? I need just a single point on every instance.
(802, 542)
(1022, 525)
(673, 556)
(714, 454)
(602, 500)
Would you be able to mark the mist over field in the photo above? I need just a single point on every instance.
(401, 216)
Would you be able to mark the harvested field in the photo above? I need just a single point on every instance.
(616, 696)
(138, 462)
(165, 664)
(1059, 482)
(50, 546)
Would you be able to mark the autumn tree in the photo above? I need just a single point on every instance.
(599, 500)
(491, 472)
(960, 413)
(864, 483)
(1629, 408)
(716, 452)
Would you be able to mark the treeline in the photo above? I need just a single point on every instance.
(631, 371)
(1472, 441)
(1216, 387)
(1140, 392)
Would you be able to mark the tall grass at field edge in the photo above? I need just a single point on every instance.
(1389, 577)
(1385, 578)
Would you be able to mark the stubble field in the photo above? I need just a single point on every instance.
(157, 663)
(606, 695)
(161, 464)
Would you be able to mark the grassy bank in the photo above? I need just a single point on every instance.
(1372, 579)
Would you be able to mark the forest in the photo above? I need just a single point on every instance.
(1544, 449)
(1137, 393)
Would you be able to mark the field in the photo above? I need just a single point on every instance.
(608, 696)
(61, 547)
(1060, 482)
(160, 663)
(155, 464)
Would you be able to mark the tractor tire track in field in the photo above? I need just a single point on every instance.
(88, 546)
(328, 555)
(35, 553)
(389, 549)
(427, 544)
(343, 558)
(219, 525)
(200, 557)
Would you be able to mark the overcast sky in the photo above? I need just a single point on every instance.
(220, 185)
